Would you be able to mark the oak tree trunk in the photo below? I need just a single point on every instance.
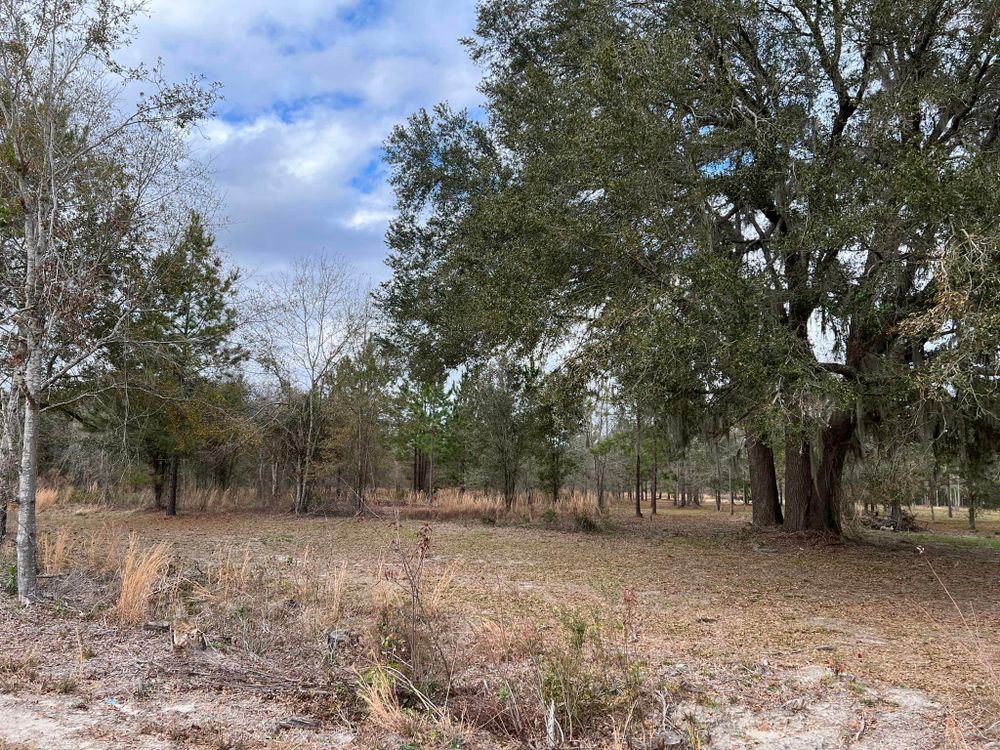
(799, 488)
(763, 484)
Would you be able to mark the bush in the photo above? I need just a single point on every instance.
(582, 521)
(586, 677)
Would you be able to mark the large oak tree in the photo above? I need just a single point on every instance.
(733, 201)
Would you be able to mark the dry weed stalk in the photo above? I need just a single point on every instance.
(53, 551)
(142, 569)
(954, 737)
(420, 615)
(980, 652)
(336, 594)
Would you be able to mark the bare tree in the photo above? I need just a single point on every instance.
(306, 320)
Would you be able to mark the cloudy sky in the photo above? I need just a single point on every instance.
(312, 88)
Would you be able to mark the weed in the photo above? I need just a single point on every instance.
(583, 522)
(423, 725)
(53, 549)
(336, 604)
(583, 676)
(142, 569)
(15, 671)
(10, 578)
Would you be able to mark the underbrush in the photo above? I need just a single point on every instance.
(576, 511)
(423, 671)
(431, 678)
(57, 493)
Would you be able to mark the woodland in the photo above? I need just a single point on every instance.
(701, 280)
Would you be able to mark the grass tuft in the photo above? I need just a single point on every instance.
(142, 570)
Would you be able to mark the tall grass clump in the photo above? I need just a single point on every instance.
(142, 570)
(53, 549)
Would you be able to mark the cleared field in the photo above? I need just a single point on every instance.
(727, 626)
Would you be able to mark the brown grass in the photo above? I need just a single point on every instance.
(142, 570)
(103, 547)
(53, 550)
(48, 497)
(336, 593)
(541, 615)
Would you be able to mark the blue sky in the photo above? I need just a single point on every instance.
(312, 88)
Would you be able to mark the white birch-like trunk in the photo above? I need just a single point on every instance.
(27, 538)
(31, 383)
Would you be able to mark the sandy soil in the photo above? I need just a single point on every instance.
(778, 641)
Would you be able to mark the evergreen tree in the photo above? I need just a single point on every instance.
(171, 378)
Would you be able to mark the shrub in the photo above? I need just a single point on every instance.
(582, 521)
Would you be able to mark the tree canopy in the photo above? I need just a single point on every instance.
(737, 203)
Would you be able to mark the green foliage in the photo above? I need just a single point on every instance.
(583, 521)
(708, 201)
(10, 578)
(175, 386)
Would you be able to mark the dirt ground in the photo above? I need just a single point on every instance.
(762, 640)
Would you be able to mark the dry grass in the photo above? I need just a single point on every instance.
(142, 569)
(528, 618)
(954, 737)
(48, 497)
(527, 507)
(103, 547)
(426, 725)
(336, 593)
(232, 499)
(53, 549)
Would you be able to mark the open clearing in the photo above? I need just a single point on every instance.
(750, 639)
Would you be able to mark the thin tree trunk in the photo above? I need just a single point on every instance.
(732, 487)
(8, 460)
(158, 482)
(172, 497)
(638, 464)
(654, 488)
(718, 479)
(600, 489)
(934, 490)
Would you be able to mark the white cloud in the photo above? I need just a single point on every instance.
(365, 218)
(311, 90)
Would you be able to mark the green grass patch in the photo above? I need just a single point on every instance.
(967, 541)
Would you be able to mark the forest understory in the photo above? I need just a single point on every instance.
(218, 630)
